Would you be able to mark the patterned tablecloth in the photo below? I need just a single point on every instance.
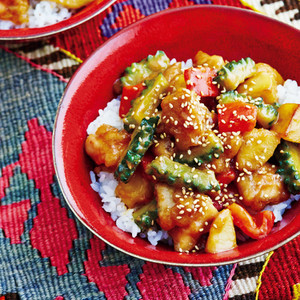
(45, 253)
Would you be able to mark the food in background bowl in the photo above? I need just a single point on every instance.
(198, 154)
(35, 13)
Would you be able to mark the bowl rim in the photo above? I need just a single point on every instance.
(29, 34)
(55, 130)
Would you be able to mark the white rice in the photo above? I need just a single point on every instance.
(41, 13)
(105, 186)
(289, 92)
(109, 115)
(105, 183)
(279, 209)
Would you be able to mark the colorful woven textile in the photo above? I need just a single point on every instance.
(45, 252)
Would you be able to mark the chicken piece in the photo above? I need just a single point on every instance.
(14, 11)
(174, 75)
(138, 190)
(107, 145)
(231, 143)
(73, 4)
(262, 187)
(177, 83)
(163, 147)
(185, 118)
(212, 61)
(172, 71)
(186, 238)
(257, 148)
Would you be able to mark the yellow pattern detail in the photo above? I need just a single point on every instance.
(247, 4)
(71, 55)
(261, 273)
(296, 291)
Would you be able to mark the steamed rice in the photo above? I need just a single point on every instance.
(289, 92)
(105, 184)
(40, 14)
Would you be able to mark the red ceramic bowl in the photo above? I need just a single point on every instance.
(231, 32)
(83, 15)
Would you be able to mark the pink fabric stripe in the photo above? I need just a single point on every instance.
(35, 65)
(229, 282)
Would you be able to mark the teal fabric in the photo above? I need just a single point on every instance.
(29, 98)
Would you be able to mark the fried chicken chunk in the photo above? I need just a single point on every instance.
(107, 145)
(185, 118)
(14, 11)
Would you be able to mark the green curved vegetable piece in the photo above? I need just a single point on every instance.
(266, 113)
(210, 148)
(235, 72)
(146, 104)
(141, 140)
(146, 215)
(174, 173)
(288, 156)
(140, 71)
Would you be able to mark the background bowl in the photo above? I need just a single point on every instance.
(83, 15)
(231, 32)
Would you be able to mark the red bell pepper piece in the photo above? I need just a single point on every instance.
(200, 80)
(146, 160)
(128, 94)
(237, 116)
(226, 177)
(257, 226)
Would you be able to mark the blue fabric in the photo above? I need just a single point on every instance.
(27, 93)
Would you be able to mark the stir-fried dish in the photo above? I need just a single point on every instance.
(204, 149)
(16, 11)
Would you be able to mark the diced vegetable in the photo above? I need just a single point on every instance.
(263, 67)
(266, 113)
(146, 160)
(237, 116)
(226, 177)
(288, 123)
(146, 215)
(257, 226)
(211, 146)
(129, 93)
(165, 203)
(262, 187)
(200, 80)
(174, 173)
(222, 235)
(141, 140)
(262, 84)
(288, 156)
(146, 68)
(234, 73)
(146, 104)
(258, 147)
